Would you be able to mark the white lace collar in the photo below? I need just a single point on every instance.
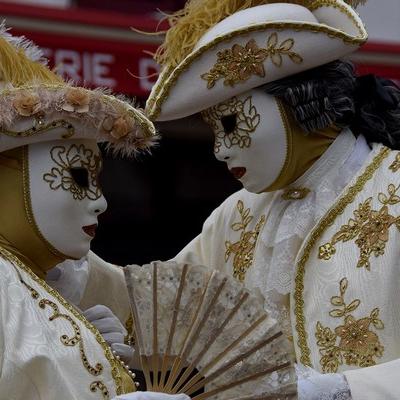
(288, 222)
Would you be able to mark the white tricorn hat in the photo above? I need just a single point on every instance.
(37, 105)
(217, 49)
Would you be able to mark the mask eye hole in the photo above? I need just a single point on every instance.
(229, 123)
(81, 176)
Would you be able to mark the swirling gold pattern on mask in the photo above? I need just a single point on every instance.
(76, 156)
(247, 121)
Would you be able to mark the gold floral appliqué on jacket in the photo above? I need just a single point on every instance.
(243, 250)
(352, 343)
(395, 166)
(369, 228)
(239, 63)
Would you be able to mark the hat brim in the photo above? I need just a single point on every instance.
(43, 112)
(207, 76)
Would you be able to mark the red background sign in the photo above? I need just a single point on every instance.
(96, 62)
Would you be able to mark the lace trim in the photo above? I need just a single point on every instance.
(290, 221)
(314, 386)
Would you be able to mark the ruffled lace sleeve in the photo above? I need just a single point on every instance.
(315, 386)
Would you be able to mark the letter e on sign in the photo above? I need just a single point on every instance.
(101, 64)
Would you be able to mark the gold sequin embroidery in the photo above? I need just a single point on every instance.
(98, 385)
(239, 63)
(41, 127)
(316, 234)
(116, 366)
(71, 341)
(395, 166)
(243, 250)
(74, 340)
(369, 228)
(353, 343)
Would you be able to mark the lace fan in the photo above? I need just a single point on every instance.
(200, 330)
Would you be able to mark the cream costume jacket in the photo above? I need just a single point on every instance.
(345, 288)
(47, 348)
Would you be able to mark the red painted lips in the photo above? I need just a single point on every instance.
(90, 230)
(238, 172)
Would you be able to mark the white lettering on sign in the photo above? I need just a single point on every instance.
(147, 68)
(91, 68)
(100, 68)
(68, 63)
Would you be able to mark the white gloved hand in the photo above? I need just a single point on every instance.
(312, 385)
(70, 279)
(111, 329)
(151, 396)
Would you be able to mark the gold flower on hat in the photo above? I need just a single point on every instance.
(26, 103)
(76, 100)
(248, 60)
(239, 63)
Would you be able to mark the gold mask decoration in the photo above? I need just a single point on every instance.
(232, 122)
(75, 160)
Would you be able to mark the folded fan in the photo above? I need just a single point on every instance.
(198, 329)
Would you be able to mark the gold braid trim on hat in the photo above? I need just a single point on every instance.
(188, 25)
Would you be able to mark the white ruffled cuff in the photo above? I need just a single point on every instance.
(315, 386)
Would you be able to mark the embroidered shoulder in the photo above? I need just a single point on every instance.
(352, 343)
(76, 339)
(243, 249)
(368, 228)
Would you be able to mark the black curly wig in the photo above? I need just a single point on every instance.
(333, 94)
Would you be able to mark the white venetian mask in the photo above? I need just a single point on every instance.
(65, 197)
(250, 136)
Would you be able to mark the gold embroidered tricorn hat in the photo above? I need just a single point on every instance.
(217, 49)
(38, 105)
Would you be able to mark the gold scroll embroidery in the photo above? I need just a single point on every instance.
(239, 63)
(370, 229)
(395, 166)
(74, 340)
(98, 385)
(243, 250)
(67, 340)
(353, 343)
